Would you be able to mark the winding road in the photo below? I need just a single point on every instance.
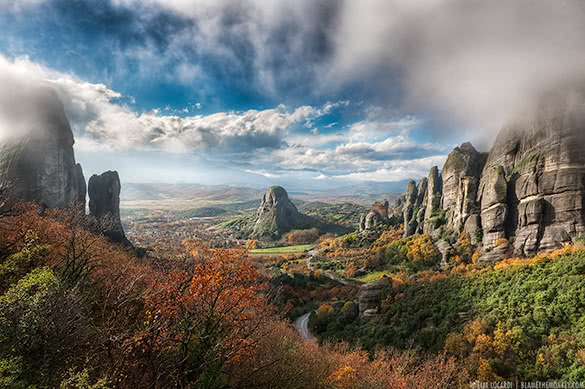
(302, 325)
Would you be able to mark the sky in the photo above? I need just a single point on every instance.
(304, 93)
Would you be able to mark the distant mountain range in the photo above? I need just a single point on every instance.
(361, 193)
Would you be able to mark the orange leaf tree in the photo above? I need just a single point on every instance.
(201, 320)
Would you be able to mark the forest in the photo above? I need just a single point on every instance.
(77, 311)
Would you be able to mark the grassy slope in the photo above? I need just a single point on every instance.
(282, 250)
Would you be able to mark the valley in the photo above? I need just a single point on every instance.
(252, 194)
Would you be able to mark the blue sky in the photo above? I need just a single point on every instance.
(305, 93)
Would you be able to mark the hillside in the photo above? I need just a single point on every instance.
(518, 319)
(102, 318)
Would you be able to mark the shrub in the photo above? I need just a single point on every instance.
(422, 250)
(252, 244)
(295, 237)
(502, 242)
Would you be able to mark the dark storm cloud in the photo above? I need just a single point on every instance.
(233, 44)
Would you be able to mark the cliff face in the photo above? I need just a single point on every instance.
(277, 215)
(533, 185)
(40, 165)
(528, 191)
(461, 176)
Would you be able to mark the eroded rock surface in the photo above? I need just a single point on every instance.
(410, 211)
(378, 215)
(533, 187)
(527, 195)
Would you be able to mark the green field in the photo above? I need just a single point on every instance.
(282, 250)
(370, 277)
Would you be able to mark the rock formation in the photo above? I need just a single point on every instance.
(104, 203)
(378, 215)
(277, 215)
(420, 205)
(533, 185)
(527, 195)
(410, 210)
(461, 175)
(39, 165)
(369, 297)
(397, 210)
(435, 193)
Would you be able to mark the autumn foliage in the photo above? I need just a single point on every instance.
(103, 318)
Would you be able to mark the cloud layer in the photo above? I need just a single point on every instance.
(267, 142)
(441, 67)
(469, 65)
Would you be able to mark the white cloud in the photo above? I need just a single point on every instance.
(101, 122)
(471, 66)
(398, 170)
(314, 139)
(368, 129)
(263, 138)
(354, 156)
(262, 173)
(18, 5)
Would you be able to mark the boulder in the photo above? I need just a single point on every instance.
(369, 297)
(446, 250)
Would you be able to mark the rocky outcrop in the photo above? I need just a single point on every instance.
(446, 250)
(37, 162)
(397, 210)
(433, 206)
(410, 211)
(461, 176)
(39, 165)
(378, 215)
(420, 205)
(104, 204)
(527, 195)
(277, 215)
(369, 297)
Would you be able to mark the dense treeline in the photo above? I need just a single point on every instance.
(79, 312)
